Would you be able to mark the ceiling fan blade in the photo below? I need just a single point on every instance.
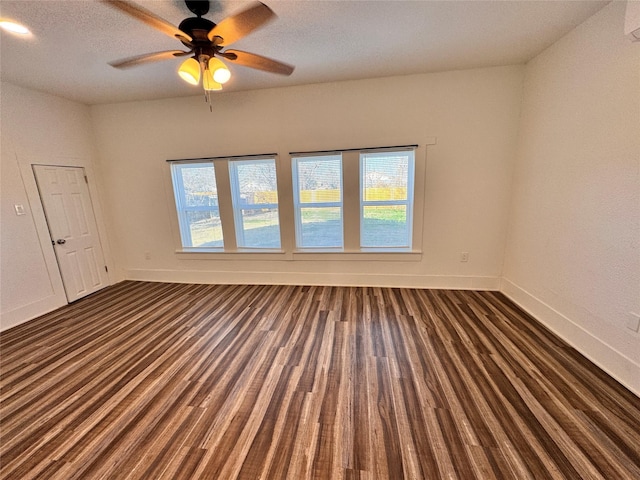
(258, 61)
(149, 18)
(146, 58)
(237, 26)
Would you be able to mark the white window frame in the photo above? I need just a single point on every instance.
(408, 203)
(298, 205)
(238, 207)
(182, 208)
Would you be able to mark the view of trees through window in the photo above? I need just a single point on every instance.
(198, 205)
(255, 203)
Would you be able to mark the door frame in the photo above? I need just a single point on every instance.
(58, 296)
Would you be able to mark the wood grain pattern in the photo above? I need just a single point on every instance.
(167, 381)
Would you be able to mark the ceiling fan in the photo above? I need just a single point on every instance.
(206, 42)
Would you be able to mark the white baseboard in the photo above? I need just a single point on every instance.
(623, 369)
(302, 278)
(29, 312)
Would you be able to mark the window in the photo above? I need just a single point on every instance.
(386, 199)
(196, 195)
(254, 192)
(356, 203)
(317, 193)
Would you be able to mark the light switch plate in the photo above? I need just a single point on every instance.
(633, 322)
(19, 209)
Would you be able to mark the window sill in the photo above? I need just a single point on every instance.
(368, 255)
(219, 254)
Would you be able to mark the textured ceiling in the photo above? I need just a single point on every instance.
(73, 41)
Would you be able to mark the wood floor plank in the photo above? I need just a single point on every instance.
(148, 381)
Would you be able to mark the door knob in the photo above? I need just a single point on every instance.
(61, 241)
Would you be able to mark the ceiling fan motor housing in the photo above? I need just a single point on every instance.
(197, 28)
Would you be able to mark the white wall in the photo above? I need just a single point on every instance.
(36, 129)
(573, 256)
(473, 114)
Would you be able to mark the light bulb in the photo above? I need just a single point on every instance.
(189, 71)
(209, 83)
(221, 73)
(14, 27)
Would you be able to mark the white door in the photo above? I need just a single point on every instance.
(72, 225)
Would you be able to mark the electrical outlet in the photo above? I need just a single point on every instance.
(633, 322)
(464, 256)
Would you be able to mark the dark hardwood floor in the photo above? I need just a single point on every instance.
(150, 381)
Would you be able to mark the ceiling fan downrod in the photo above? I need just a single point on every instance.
(198, 7)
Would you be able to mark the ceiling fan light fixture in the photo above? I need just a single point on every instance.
(221, 73)
(189, 71)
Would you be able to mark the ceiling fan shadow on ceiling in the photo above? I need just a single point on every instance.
(206, 42)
